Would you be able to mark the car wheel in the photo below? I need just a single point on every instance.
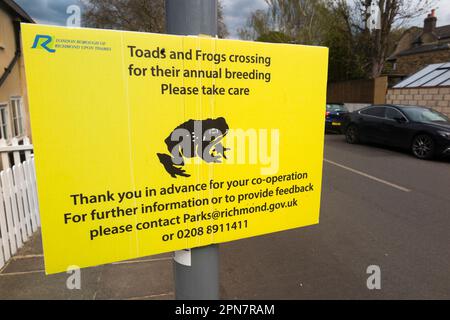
(423, 146)
(352, 134)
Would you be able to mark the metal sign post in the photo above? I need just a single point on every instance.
(196, 271)
(191, 17)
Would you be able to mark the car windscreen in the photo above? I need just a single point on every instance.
(425, 115)
(336, 108)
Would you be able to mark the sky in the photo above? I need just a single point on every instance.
(47, 11)
(236, 12)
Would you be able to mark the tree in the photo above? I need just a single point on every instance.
(133, 15)
(274, 37)
(346, 58)
(257, 24)
(298, 20)
(341, 25)
(222, 29)
(376, 44)
(306, 22)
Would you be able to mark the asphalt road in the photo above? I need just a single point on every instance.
(379, 207)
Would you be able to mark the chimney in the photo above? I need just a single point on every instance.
(430, 22)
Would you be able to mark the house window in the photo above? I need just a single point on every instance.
(17, 116)
(3, 121)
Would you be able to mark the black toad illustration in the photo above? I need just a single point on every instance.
(194, 138)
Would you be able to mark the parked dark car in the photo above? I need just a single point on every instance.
(423, 131)
(334, 117)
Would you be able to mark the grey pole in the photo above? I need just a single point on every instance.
(200, 280)
(191, 17)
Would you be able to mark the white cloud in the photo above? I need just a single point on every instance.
(443, 12)
(47, 11)
(236, 13)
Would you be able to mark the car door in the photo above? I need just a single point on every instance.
(370, 123)
(395, 128)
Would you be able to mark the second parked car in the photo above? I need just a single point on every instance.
(334, 117)
(422, 130)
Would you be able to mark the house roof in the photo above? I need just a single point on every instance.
(443, 32)
(433, 75)
(425, 48)
(14, 8)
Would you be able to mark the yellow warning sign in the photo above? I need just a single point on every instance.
(150, 143)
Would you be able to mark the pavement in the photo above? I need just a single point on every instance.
(379, 207)
(148, 278)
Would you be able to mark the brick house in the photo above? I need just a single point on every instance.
(14, 120)
(419, 47)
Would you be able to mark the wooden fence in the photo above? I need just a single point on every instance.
(19, 208)
(372, 91)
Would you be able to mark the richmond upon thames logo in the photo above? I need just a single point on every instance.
(45, 42)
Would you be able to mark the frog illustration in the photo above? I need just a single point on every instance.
(194, 138)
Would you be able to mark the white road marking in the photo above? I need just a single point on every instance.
(393, 185)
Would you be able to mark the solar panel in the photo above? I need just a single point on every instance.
(434, 75)
(405, 83)
(429, 77)
(446, 65)
(439, 80)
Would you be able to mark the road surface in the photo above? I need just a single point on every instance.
(380, 207)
